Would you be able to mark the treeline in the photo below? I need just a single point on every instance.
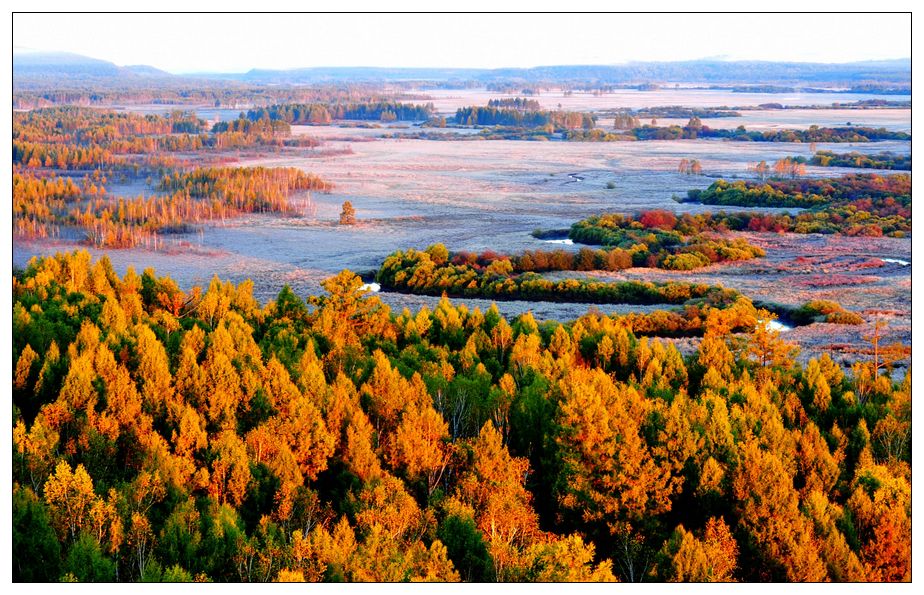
(631, 119)
(242, 133)
(659, 239)
(494, 116)
(813, 134)
(318, 113)
(878, 88)
(76, 138)
(597, 135)
(61, 156)
(860, 105)
(679, 111)
(163, 435)
(490, 133)
(741, 316)
(263, 126)
(517, 103)
(94, 126)
(806, 192)
(435, 271)
(216, 94)
(884, 160)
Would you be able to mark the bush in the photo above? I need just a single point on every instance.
(825, 311)
(686, 261)
(844, 317)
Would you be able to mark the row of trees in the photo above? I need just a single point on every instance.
(518, 103)
(679, 111)
(61, 156)
(170, 435)
(808, 192)
(35, 95)
(814, 134)
(595, 135)
(91, 126)
(322, 113)
(517, 118)
(787, 167)
(695, 129)
(435, 271)
(884, 160)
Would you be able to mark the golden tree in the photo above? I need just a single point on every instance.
(347, 214)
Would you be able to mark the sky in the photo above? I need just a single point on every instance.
(187, 43)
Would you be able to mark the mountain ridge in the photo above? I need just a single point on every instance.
(70, 66)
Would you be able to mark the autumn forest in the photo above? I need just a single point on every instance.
(161, 435)
(648, 322)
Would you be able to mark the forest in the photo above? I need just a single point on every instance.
(163, 435)
(65, 159)
(45, 207)
(69, 138)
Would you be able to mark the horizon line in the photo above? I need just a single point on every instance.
(245, 70)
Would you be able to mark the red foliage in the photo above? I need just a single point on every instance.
(658, 219)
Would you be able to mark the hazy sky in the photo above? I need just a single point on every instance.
(236, 43)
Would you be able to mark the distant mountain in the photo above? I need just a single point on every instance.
(142, 70)
(29, 66)
(696, 71)
(356, 73)
(61, 64)
(40, 67)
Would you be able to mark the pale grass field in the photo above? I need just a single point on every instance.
(448, 100)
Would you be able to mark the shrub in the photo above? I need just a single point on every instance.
(844, 317)
(686, 261)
